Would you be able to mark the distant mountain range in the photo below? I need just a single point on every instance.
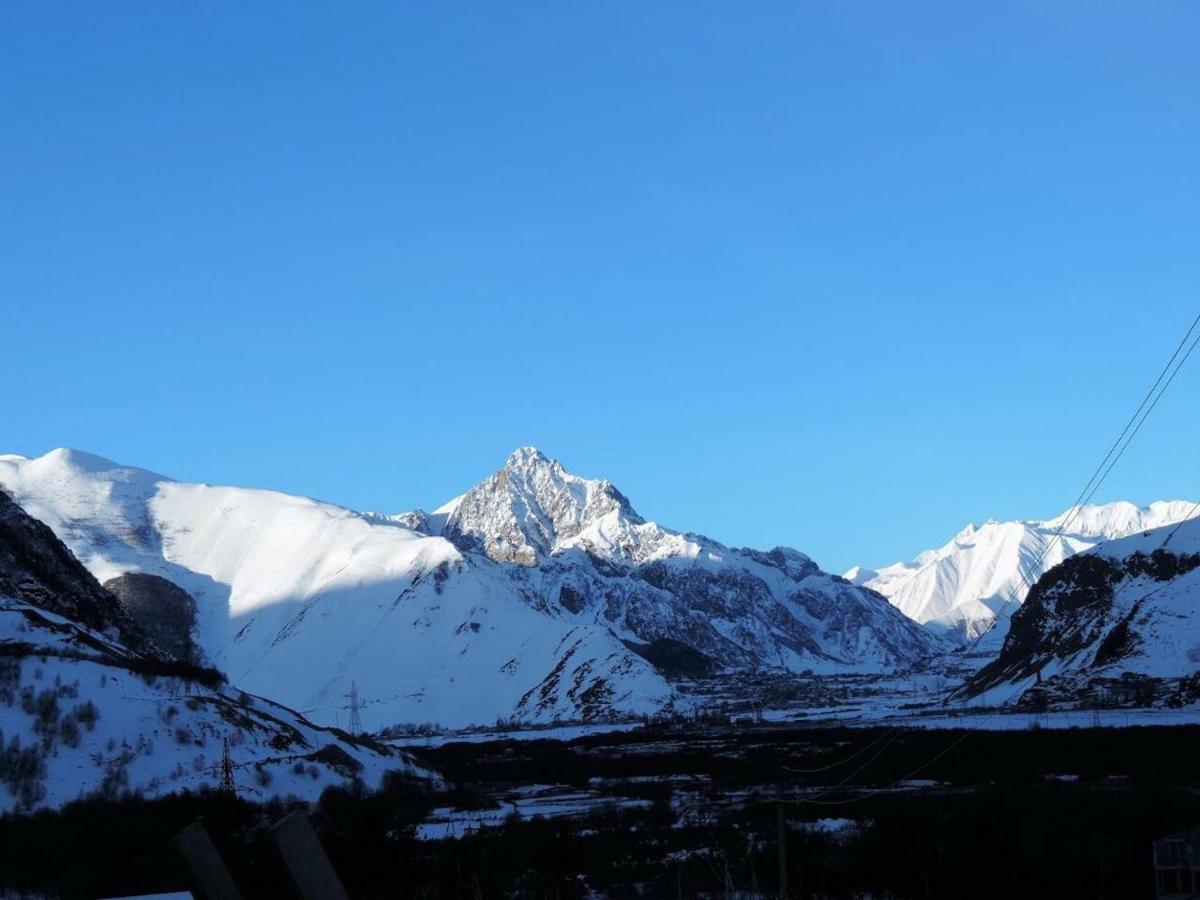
(958, 589)
(537, 594)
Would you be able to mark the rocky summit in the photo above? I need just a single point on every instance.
(536, 595)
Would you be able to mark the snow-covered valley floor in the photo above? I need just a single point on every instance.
(780, 700)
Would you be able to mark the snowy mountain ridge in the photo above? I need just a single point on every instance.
(537, 594)
(959, 588)
(88, 704)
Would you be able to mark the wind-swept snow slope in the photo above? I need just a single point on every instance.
(960, 587)
(88, 704)
(536, 594)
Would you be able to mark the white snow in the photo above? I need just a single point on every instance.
(456, 617)
(298, 599)
(960, 587)
(156, 735)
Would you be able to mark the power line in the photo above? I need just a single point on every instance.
(899, 781)
(840, 762)
(1106, 466)
(892, 736)
(1124, 439)
(1079, 500)
(1186, 518)
(1166, 540)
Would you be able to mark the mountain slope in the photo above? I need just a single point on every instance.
(960, 587)
(89, 704)
(582, 540)
(537, 594)
(1126, 610)
(298, 599)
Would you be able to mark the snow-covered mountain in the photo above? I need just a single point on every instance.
(537, 594)
(959, 588)
(1117, 624)
(88, 703)
(739, 607)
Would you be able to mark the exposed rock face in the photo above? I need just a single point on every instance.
(1130, 608)
(417, 520)
(531, 508)
(582, 548)
(164, 611)
(36, 567)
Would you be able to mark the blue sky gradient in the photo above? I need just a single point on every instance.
(839, 276)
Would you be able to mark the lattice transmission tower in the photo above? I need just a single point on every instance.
(354, 704)
(227, 786)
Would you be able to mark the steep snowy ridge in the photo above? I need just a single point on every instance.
(82, 710)
(297, 599)
(533, 595)
(1123, 615)
(959, 588)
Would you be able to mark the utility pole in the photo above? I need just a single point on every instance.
(354, 705)
(783, 870)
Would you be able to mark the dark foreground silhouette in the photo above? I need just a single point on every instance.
(1035, 813)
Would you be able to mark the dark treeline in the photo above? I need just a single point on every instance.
(1060, 814)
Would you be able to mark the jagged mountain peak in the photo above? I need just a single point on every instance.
(533, 470)
(533, 507)
(554, 581)
(529, 455)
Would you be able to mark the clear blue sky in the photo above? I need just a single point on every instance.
(843, 276)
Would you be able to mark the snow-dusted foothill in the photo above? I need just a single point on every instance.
(959, 588)
(90, 705)
(536, 595)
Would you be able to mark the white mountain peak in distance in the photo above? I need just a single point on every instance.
(1116, 623)
(532, 509)
(959, 587)
(537, 594)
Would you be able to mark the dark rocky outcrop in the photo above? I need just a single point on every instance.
(35, 566)
(1073, 608)
(160, 608)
